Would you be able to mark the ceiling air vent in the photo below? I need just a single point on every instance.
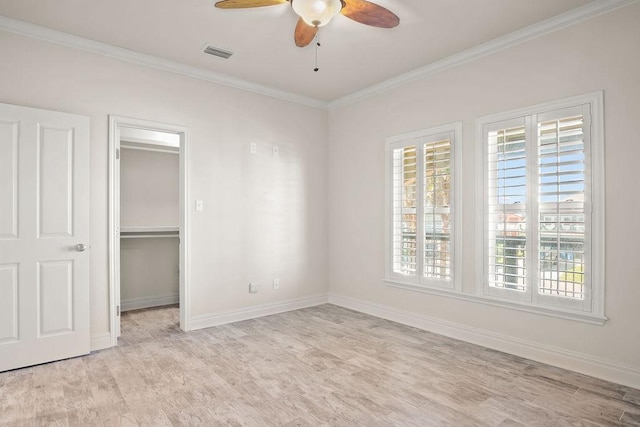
(216, 51)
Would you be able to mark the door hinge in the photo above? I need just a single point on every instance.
(117, 153)
(117, 310)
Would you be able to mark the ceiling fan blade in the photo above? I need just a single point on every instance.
(368, 13)
(242, 4)
(304, 33)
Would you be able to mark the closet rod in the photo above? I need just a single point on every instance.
(146, 236)
(145, 232)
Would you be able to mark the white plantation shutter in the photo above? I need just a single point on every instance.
(537, 208)
(437, 209)
(422, 230)
(562, 193)
(507, 207)
(405, 210)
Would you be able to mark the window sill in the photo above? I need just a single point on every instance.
(593, 319)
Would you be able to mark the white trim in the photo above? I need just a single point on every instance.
(115, 123)
(112, 239)
(149, 236)
(598, 203)
(185, 232)
(69, 40)
(253, 312)
(458, 229)
(596, 97)
(513, 304)
(148, 302)
(155, 150)
(145, 137)
(550, 25)
(566, 359)
(100, 342)
(152, 229)
(434, 130)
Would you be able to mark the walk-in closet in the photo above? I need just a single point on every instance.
(149, 219)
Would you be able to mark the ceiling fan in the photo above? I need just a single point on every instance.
(317, 13)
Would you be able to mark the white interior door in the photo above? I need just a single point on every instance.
(44, 236)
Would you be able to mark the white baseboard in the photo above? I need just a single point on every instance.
(574, 361)
(148, 302)
(215, 319)
(100, 342)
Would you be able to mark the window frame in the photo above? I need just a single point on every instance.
(419, 138)
(592, 307)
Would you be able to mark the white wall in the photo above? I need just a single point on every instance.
(149, 196)
(149, 188)
(263, 216)
(149, 272)
(598, 54)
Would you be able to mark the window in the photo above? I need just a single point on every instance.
(542, 197)
(422, 198)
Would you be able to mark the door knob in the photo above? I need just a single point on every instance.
(81, 247)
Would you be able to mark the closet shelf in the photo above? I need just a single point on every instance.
(145, 232)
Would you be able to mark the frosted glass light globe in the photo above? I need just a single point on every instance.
(316, 13)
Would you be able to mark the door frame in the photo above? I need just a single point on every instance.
(115, 124)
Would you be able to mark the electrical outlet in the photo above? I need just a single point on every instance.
(253, 148)
(276, 151)
(253, 288)
(276, 283)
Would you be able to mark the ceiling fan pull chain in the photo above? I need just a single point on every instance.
(317, 46)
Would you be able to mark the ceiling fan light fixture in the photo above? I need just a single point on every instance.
(316, 13)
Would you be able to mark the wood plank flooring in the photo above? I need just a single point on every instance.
(318, 366)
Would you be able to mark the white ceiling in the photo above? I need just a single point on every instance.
(352, 56)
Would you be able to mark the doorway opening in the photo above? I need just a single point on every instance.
(148, 221)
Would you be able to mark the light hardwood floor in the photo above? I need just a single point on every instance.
(317, 366)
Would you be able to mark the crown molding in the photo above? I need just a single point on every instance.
(580, 14)
(574, 16)
(69, 40)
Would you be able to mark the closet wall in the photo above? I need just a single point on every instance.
(149, 220)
